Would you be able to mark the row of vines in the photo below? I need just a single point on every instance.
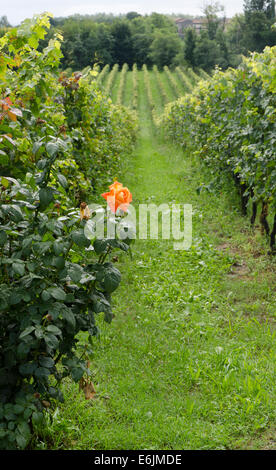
(61, 141)
(171, 84)
(229, 122)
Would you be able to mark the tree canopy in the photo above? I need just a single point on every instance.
(154, 39)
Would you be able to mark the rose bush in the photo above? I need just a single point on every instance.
(60, 140)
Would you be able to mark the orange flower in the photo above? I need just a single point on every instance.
(118, 196)
(116, 186)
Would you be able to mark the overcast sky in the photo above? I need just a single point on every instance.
(18, 10)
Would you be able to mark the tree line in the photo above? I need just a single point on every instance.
(154, 40)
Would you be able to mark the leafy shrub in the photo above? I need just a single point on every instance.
(51, 288)
(122, 84)
(135, 87)
(111, 78)
(44, 104)
(161, 87)
(60, 139)
(100, 132)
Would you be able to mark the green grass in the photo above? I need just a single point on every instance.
(156, 94)
(170, 92)
(189, 359)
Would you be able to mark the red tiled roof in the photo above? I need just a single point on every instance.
(182, 20)
(199, 21)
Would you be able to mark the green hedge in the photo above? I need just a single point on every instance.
(229, 122)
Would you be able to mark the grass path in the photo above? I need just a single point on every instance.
(189, 359)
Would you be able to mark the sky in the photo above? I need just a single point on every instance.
(18, 10)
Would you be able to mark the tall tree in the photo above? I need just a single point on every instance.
(235, 39)
(132, 14)
(209, 53)
(122, 45)
(104, 49)
(164, 48)
(4, 22)
(211, 12)
(189, 47)
(141, 48)
(259, 17)
(264, 6)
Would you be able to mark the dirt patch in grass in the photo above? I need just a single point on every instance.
(251, 276)
(239, 270)
(266, 442)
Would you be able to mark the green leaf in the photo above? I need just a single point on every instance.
(18, 268)
(39, 333)
(26, 245)
(100, 245)
(5, 182)
(55, 309)
(3, 433)
(18, 409)
(10, 140)
(87, 278)
(16, 296)
(62, 180)
(21, 441)
(108, 317)
(13, 211)
(36, 146)
(68, 315)
(57, 293)
(111, 279)
(54, 329)
(58, 248)
(4, 159)
(47, 362)
(118, 244)
(27, 369)
(51, 341)
(46, 197)
(3, 237)
(37, 418)
(58, 262)
(42, 373)
(27, 331)
(80, 239)
(45, 295)
(22, 350)
(77, 373)
(100, 304)
(41, 164)
(27, 413)
(52, 148)
(33, 42)
(24, 429)
(75, 272)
